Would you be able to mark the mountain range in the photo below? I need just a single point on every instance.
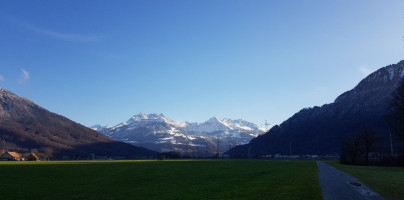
(321, 129)
(25, 126)
(159, 133)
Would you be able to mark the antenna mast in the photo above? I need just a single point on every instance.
(266, 125)
(218, 146)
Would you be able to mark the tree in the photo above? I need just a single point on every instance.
(396, 116)
(48, 152)
(350, 150)
(356, 148)
(367, 135)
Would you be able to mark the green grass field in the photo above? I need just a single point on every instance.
(387, 181)
(170, 179)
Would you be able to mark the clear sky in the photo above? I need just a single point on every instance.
(100, 62)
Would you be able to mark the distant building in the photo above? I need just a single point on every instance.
(11, 156)
(32, 157)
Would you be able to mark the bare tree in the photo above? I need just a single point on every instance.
(48, 152)
(367, 136)
(396, 117)
(350, 150)
(356, 148)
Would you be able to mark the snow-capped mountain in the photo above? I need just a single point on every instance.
(155, 131)
(227, 126)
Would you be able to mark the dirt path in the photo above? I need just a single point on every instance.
(337, 185)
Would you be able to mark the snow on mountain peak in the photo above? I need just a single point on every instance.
(211, 126)
(395, 71)
(100, 128)
(160, 133)
(141, 117)
(382, 77)
(213, 119)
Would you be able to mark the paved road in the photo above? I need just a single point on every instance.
(337, 185)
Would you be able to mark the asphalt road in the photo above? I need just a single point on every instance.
(337, 185)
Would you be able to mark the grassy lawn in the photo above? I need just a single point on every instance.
(387, 181)
(176, 179)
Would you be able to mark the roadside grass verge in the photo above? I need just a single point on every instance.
(387, 181)
(170, 179)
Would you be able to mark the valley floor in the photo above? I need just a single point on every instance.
(169, 179)
(182, 179)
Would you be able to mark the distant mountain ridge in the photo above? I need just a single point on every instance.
(159, 133)
(25, 126)
(320, 130)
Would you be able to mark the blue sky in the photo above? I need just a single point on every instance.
(100, 62)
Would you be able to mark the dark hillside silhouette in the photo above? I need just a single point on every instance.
(25, 126)
(320, 130)
(396, 115)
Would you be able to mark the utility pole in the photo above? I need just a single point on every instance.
(391, 146)
(206, 150)
(266, 125)
(218, 147)
(290, 149)
(249, 150)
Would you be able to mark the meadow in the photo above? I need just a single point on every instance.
(169, 179)
(387, 181)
